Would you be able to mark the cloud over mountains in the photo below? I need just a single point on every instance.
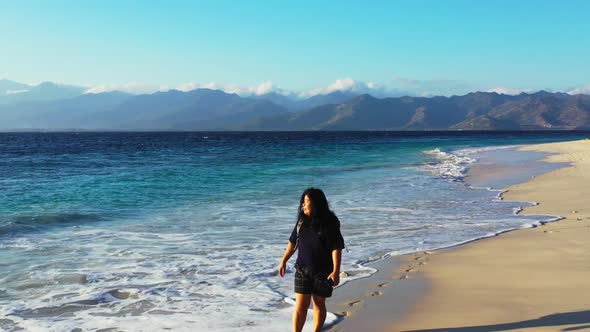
(132, 87)
(395, 87)
(585, 89)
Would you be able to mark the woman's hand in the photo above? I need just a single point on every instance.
(336, 258)
(288, 253)
(335, 276)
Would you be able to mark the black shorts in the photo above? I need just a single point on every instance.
(313, 283)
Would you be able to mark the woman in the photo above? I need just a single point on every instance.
(318, 238)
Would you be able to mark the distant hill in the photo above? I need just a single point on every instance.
(10, 87)
(13, 92)
(296, 104)
(200, 109)
(78, 112)
(474, 111)
(291, 103)
(205, 109)
(542, 110)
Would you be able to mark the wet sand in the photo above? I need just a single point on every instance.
(525, 280)
(366, 305)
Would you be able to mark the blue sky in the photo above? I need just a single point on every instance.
(424, 47)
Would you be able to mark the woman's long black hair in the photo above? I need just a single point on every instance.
(320, 210)
(322, 220)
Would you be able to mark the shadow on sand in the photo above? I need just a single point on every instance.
(566, 318)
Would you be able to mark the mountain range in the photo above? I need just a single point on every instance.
(474, 111)
(49, 106)
(14, 92)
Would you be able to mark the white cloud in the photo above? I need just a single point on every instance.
(349, 84)
(344, 84)
(141, 88)
(585, 90)
(193, 86)
(508, 91)
(430, 88)
(133, 87)
(10, 92)
(237, 89)
(396, 87)
(242, 90)
(263, 88)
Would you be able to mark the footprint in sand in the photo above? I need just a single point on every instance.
(410, 269)
(354, 303)
(422, 263)
(376, 293)
(383, 284)
(405, 276)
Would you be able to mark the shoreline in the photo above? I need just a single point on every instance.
(433, 303)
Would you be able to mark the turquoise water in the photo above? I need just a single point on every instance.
(185, 230)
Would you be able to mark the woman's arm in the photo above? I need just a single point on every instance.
(336, 258)
(288, 253)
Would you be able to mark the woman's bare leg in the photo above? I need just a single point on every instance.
(300, 314)
(319, 312)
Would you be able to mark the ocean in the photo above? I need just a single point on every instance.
(144, 231)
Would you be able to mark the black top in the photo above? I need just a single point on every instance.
(317, 240)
